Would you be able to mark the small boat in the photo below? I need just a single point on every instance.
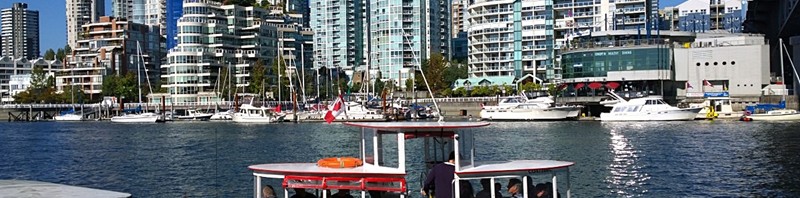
(651, 108)
(716, 108)
(137, 118)
(382, 168)
(251, 114)
(776, 115)
(69, 115)
(222, 115)
(194, 115)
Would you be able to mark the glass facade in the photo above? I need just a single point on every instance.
(599, 63)
(174, 12)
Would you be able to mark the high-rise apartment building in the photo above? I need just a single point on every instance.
(148, 12)
(19, 31)
(79, 13)
(338, 34)
(520, 38)
(705, 15)
(211, 38)
(460, 17)
(111, 46)
(403, 33)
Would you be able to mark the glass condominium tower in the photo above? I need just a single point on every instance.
(338, 33)
(403, 33)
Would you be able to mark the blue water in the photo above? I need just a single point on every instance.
(720, 159)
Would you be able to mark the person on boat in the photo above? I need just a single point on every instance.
(515, 188)
(343, 193)
(441, 177)
(544, 190)
(301, 193)
(268, 192)
(486, 192)
(466, 189)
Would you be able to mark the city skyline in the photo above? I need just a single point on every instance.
(53, 23)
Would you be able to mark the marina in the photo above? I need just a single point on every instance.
(210, 159)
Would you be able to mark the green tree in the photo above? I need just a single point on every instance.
(434, 68)
(67, 50)
(508, 89)
(60, 54)
(257, 77)
(461, 91)
(447, 92)
(409, 84)
(530, 86)
(123, 87)
(454, 72)
(553, 90)
(50, 54)
(42, 89)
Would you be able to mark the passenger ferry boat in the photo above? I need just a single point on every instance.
(651, 108)
(521, 108)
(381, 166)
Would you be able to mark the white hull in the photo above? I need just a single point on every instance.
(136, 118)
(784, 117)
(525, 114)
(238, 117)
(221, 116)
(196, 117)
(664, 115)
(720, 115)
(69, 117)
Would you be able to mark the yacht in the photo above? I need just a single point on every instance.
(194, 115)
(137, 118)
(522, 108)
(648, 109)
(356, 112)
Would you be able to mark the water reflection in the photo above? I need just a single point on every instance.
(626, 178)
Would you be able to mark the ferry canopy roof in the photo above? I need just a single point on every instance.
(412, 126)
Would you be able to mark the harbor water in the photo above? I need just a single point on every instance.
(210, 159)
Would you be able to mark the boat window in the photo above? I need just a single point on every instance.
(649, 102)
(633, 109)
(619, 109)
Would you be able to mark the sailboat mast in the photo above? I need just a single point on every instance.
(780, 46)
(139, 73)
(303, 69)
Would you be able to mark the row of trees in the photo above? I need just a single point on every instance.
(60, 54)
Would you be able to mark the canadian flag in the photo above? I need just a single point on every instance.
(278, 108)
(335, 110)
(688, 86)
(706, 83)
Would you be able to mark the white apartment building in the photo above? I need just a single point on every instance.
(79, 13)
(212, 37)
(13, 72)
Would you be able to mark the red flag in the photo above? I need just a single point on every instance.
(278, 108)
(688, 86)
(706, 83)
(335, 110)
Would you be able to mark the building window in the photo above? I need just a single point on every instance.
(733, 62)
(724, 63)
(706, 63)
(715, 63)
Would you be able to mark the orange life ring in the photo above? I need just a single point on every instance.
(340, 162)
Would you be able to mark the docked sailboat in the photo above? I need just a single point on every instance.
(138, 115)
(782, 114)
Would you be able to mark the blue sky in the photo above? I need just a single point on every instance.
(53, 24)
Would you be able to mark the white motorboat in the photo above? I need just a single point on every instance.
(716, 107)
(648, 109)
(776, 115)
(355, 112)
(69, 117)
(194, 115)
(522, 108)
(251, 114)
(222, 115)
(137, 118)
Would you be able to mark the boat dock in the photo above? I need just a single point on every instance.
(34, 189)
